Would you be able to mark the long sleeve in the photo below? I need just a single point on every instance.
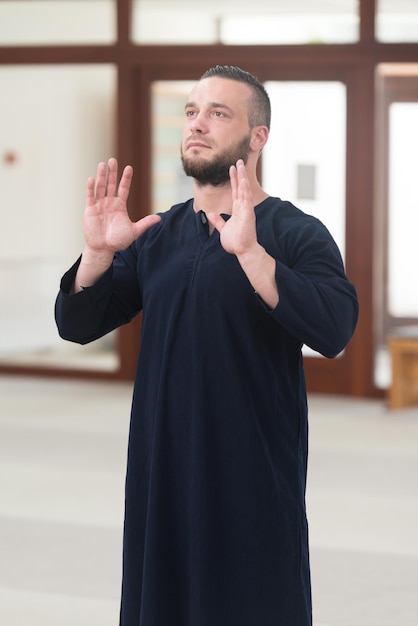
(95, 311)
(317, 303)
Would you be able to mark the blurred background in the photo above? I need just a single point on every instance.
(83, 80)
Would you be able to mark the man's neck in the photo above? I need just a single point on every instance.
(213, 199)
(219, 199)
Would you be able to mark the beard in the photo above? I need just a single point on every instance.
(216, 171)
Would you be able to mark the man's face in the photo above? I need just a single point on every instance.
(216, 133)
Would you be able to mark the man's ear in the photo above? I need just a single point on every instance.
(259, 136)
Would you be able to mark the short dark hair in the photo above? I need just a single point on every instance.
(259, 110)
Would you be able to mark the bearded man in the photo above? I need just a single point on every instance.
(231, 284)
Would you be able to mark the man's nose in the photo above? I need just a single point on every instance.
(198, 123)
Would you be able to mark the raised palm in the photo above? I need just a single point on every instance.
(107, 225)
(238, 234)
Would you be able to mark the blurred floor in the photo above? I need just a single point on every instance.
(62, 466)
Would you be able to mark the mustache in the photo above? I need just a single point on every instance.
(197, 139)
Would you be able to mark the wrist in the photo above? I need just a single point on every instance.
(260, 269)
(100, 259)
(93, 264)
(252, 255)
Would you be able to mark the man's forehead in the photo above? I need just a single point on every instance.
(220, 90)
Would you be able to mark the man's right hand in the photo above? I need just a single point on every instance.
(107, 226)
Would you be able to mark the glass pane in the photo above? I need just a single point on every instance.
(41, 22)
(396, 223)
(304, 159)
(169, 182)
(314, 155)
(310, 171)
(236, 22)
(403, 210)
(397, 20)
(56, 123)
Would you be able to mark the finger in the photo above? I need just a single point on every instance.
(241, 172)
(100, 181)
(239, 185)
(244, 189)
(112, 175)
(216, 221)
(90, 195)
(234, 182)
(125, 183)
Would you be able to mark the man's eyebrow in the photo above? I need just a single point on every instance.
(212, 105)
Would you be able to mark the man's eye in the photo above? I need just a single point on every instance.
(190, 113)
(219, 114)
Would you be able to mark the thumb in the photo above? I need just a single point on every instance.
(144, 224)
(216, 221)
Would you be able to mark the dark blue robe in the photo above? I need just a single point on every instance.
(215, 521)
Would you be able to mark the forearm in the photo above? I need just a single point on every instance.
(92, 266)
(260, 269)
(112, 300)
(86, 316)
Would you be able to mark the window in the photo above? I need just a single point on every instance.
(397, 21)
(396, 253)
(403, 210)
(237, 22)
(46, 22)
(304, 159)
(56, 124)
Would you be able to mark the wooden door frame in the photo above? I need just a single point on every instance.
(350, 373)
(354, 64)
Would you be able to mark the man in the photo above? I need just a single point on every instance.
(231, 283)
